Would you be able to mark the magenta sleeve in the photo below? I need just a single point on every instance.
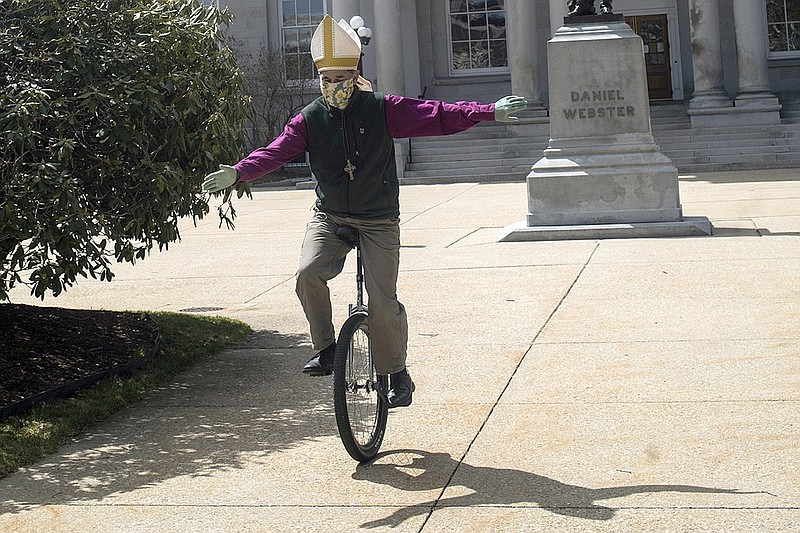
(409, 117)
(285, 148)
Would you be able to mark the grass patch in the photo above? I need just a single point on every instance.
(185, 340)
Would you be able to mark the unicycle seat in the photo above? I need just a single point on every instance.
(348, 234)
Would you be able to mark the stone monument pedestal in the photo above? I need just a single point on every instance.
(602, 175)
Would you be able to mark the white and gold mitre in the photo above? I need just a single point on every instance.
(335, 46)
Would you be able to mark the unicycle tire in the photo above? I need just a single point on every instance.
(359, 394)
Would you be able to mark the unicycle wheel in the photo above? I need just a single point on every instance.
(359, 394)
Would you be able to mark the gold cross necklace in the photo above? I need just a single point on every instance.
(349, 167)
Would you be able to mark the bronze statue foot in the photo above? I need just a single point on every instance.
(580, 7)
(580, 10)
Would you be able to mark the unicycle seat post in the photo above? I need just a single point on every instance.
(359, 279)
(350, 235)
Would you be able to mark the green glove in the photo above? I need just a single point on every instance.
(507, 105)
(221, 179)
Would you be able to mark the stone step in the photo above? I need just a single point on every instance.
(680, 155)
(486, 149)
(483, 146)
(424, 161)
(707, 139)
(725, 144)
(687, 165)
(500, 150)
(670, 122)
(741, 129)
(425, 179)
(725, 135)
(457, 140)
(476, 164)
(521, 165)
(676, 114)
(493, 152)
(715, 164)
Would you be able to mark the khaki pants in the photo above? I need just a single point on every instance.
(322, 258)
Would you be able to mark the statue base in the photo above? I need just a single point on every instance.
(588, 19)
(602, 173)
(687, 227)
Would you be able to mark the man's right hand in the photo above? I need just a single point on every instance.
(507, 105)
(221, 179)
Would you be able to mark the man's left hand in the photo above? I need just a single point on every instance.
(507, 105)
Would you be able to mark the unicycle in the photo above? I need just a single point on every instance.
(359, 393)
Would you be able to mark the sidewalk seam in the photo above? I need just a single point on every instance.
(505, 388)
(415, 215)
(262, 293)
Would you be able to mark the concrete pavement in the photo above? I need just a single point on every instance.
(614, 385)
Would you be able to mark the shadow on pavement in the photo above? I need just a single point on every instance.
(233, 409)
(722, 231)
(740, 176)
(416, 470)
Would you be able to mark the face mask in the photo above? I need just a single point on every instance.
(337, 94)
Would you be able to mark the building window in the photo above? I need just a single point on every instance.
(478, 35)
(299, 19)
(783, 24)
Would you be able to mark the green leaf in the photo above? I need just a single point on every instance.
(104, 112)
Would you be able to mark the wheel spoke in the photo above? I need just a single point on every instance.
(360, 405)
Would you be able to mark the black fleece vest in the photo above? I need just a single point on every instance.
(357, 133)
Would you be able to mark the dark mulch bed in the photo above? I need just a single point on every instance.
(45, 347)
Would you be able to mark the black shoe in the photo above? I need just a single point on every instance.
(322, 363)
(400, 389)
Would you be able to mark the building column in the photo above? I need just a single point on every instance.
(755, 104)
(750, 20)
(709, 83)
(346, 9)
(558, 10)
(523, 54)
(388, 41)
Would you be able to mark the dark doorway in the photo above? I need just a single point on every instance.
(653, 31)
